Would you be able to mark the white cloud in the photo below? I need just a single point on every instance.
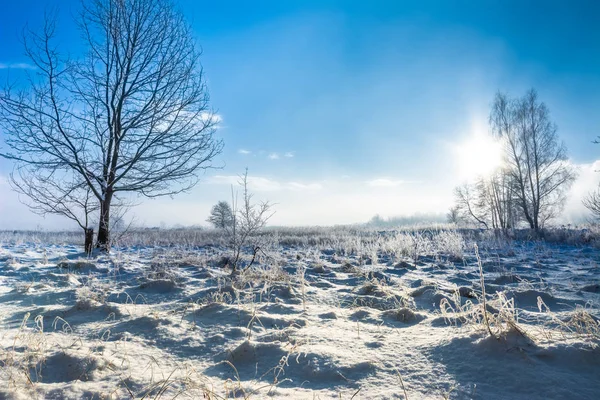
(301, 186)
(385, 182)
(244, 151)
(207, 116)
(289, 154)
(257, 183)
(16, 66)
(273, 156)
(223, 180)
(262, 184)
(588, 180)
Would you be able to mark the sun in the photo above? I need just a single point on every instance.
(478, 156)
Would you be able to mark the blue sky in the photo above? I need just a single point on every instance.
(344, 109)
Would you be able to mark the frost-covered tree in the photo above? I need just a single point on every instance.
(249, 218)
(592, 200)
(532, 182)
(453, 215)
(592, 203)
(469, 205)
(535, 160)
(221, 215)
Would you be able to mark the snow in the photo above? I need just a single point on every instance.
(310, 321)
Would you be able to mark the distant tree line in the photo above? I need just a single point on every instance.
(405, 220)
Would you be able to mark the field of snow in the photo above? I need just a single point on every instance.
(371, 315)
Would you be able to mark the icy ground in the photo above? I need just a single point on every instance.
(307, 322)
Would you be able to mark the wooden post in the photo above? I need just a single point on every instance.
(89, 241)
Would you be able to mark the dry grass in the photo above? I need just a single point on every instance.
(496, 315)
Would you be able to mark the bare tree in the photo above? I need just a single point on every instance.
(46, 193)
(221, 215)
(453, 216)
(248, 219)
(592, 200)
(468, 204)
(535, 161)
(131, 116)
(488, 202)
(592, 203)
(496, 194)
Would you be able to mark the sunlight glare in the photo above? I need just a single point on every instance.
(479, 156)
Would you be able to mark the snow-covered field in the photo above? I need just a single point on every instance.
(370, 315)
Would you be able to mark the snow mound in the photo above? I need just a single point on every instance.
(593, 288)
(81, 266)
(528, 300)
(63, 367)
(404, 315)
(144, 326)
(405, 265)
(89, 309)
(428, 297)
(249, 352)
(328, 315)
(322, 371)
(506, 279)
(160, 286)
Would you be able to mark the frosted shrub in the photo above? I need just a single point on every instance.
(451, 243)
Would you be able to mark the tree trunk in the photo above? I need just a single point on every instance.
(89, 240)
(104, 225)
(531, 224)
(525, 209)
(536, 215)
